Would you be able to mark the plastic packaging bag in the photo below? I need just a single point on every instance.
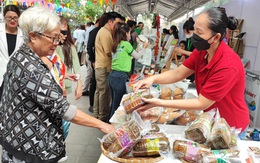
(152, 144)
(152, 114)
(220, 137)
(133, 101)
(186, 118)
(199, 130)
(221, 156)
(146, 58)
(189, 151)
(120, 142)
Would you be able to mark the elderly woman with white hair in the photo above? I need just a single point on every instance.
(32, 105)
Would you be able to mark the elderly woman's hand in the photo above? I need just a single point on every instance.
(107, 128)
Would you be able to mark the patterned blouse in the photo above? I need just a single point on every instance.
(31, 110)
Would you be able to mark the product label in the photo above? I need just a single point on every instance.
(152, 145)
(125, 140)
(221, 155)
(192, 151)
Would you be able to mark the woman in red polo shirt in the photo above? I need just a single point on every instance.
(219, 73)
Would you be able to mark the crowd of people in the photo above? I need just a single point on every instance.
(42, 57)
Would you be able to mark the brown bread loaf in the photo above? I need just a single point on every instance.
(166, 93)
(133, 101)
(151, 114)
(178, 93)
(169, 115)
(199, 130)
(155, 128)
(186, 118)
(189, 151)
(220, 137)
(151, 145)
(121, 141)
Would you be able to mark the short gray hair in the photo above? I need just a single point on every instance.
(37, 19)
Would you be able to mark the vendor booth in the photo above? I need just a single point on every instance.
(162, 134)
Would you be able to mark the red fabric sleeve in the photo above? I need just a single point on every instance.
(191, 61)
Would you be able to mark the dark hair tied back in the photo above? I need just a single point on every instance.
(232, 23)
(219, 22)
(189, 25)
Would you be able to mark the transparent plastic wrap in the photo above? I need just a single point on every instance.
(152, 144)
(152, 114)
(199, 130)
(186, 118)
(166, 93)
(178, 93)
(220, 137)
(222, 156)
(133, 101)
(155, 128)
(120, 117)
(168, 115)
(120, 142)
(189, 151)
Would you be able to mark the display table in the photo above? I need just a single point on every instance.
(176, 131)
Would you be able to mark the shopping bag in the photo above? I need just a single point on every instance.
(169, 53)
(146, 58)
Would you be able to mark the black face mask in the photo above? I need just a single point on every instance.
(199, 43)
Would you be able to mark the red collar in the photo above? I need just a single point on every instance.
(218, 54)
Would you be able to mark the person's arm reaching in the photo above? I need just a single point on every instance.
(138, 55)
(84, 119)
(171, 76)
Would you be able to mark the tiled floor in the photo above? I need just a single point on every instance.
(82, 145)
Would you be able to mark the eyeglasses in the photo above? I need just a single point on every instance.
(55, 40)
(9, 18)
(64, 32)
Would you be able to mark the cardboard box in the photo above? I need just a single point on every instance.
(240, 24)
(237, 45)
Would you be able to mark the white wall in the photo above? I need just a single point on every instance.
(249, 10)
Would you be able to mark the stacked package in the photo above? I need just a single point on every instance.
(121, 141)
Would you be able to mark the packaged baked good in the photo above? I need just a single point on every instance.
(151, 114)
(220, 137)
(120, 117)
(186, 118)
(166, 93)
(121, 141)
(178, 93)
(168, 115)
(155, 128)
(199, 130)
(225, 156)
(133, 101)
(151, 145)
(189, 151)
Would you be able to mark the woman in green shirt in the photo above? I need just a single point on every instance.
(122, 54)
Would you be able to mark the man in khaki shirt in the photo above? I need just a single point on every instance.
(103, 47)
